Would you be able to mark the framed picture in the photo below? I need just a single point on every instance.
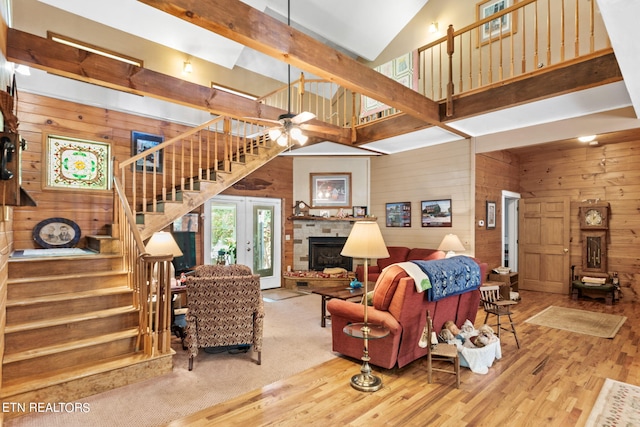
(331, 190)
(491, 215)
(142, 142)
(398, 214)
(435, 213)
(188, 222)
(56, 233)
(505, 25)
(74, 164)
(359, 211)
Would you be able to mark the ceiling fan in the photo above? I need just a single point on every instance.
(289, 129)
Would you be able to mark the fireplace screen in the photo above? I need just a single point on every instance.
(324, 252)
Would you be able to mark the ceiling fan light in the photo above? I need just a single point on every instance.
(274, 133)
(283, 140)
(295, 132)
(302, 139)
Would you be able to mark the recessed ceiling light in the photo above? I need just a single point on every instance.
(587, 138)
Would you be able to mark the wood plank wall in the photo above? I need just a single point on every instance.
(439, 172)
(608, 172)
(6, 245)
(40, 115)
(495, 172)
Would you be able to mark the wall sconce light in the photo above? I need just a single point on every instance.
(433, 27)
(187, 68)
(586, 138)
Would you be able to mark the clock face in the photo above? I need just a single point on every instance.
(301, 205)
(593, 217)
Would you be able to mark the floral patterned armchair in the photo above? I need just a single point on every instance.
(225, 308)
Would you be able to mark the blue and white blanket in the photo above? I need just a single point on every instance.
(446, 277)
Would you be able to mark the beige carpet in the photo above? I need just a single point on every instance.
(580, 321)
(618, 404)
(293, 342)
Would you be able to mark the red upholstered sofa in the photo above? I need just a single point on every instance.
(398, 306)
(398, 254)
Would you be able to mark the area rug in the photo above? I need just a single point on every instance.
(280, 294)
(618, 404)
(580, 321)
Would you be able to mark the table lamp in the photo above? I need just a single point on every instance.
(162, 244)
(450, 244)
(365, 241)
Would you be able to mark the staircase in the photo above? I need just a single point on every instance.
(71, 321)
(80, 325)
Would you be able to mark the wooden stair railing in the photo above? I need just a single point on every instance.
(191, 168)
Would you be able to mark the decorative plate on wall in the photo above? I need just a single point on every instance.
(56, 233)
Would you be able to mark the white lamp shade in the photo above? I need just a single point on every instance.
(365, 241)
(451, 242)
(163, 243)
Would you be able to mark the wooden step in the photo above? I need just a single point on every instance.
(78, 303)
(65, 356)
(28, 287)
(103, 244)
(84, 379)
(52, 266)
(29, 335)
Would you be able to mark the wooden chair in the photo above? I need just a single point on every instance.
(492, 304)
(441, 351)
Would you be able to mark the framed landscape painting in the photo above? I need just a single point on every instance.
(398, 214)
(436, 213)
(331, 190)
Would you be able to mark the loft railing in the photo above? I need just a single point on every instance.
(330, 102)
(529, 37)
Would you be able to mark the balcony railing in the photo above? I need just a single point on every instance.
(529, 37)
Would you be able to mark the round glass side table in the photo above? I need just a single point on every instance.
(365, 380)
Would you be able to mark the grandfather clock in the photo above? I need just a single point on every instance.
(594, 223)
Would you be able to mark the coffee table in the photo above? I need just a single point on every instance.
(340, 292)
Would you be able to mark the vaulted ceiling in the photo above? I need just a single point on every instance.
(357, 29)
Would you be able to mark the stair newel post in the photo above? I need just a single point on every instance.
(157, 281)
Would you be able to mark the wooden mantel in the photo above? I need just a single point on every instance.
(331, 218)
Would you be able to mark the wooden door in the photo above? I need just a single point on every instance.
(544, 244)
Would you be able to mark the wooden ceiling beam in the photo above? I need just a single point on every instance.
(239, 22)
(571, 77)
(67, 61)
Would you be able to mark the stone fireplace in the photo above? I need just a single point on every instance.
(324, 252)
(304, 230)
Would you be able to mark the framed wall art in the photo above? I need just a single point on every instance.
(398, 214)
(75, 164)
(491, 215)
(187, 222)
(331, 190)
(359, 211)
(505, 25)
(142, 142)
(436, 213)
(56, 233)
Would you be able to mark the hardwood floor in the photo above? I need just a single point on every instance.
(553, 379)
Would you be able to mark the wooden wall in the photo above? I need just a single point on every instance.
(442, 171)
(6, 246)
(92, 211)
(495, 172)
(610, 173)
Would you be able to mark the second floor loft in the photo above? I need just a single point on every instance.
(526, 52)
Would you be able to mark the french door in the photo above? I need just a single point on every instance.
(245, 230)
